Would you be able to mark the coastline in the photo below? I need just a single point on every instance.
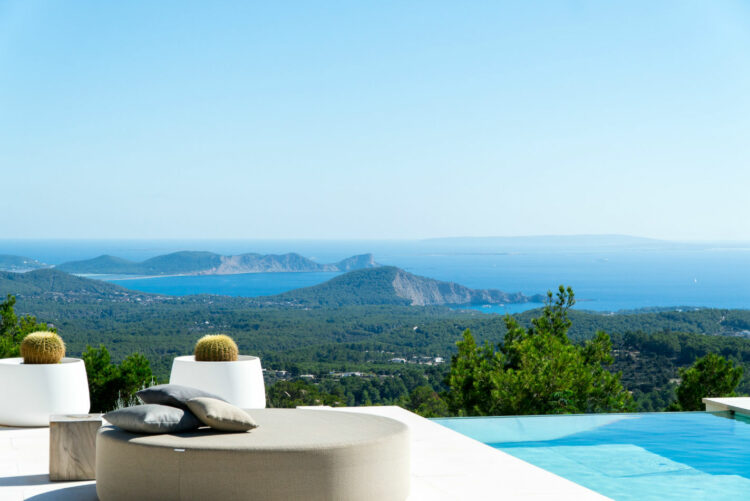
(111, 277)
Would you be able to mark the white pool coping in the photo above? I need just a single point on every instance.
(445, 466)
(449, 466)
(734, 404)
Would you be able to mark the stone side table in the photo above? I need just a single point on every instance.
(72, 446)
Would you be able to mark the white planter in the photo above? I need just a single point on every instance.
(239, 383)
(30, 393)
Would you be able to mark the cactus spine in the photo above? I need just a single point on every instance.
(216, 348)
(42, 348)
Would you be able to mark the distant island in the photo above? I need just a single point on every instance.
(209, 263)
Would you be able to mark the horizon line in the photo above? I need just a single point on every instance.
(373, 239)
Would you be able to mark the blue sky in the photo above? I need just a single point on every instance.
(374, 119)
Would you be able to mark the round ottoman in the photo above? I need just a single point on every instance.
(293, 454)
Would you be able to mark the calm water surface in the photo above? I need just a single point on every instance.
(245, 285)
(605, 280)
(685, 455)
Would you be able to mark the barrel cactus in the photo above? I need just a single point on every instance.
(42, 348)
(216, 348)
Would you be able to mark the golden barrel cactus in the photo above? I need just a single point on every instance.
(42, 348)
(216, 348)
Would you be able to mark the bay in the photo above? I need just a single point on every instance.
(604, 278)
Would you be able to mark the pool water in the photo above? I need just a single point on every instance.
(681, 455)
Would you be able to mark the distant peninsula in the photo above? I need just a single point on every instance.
(209, 263)
(391, 285)
(10, 262)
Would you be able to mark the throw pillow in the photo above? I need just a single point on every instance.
(174, 395)
(221, 415)
(153, 418)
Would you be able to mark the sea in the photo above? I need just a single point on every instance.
(606, 275)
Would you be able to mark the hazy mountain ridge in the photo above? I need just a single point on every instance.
(209, 263)
(582, 240)
(571, 243)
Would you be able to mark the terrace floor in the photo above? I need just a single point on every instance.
(445, 466)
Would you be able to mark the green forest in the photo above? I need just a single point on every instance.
(321, 343)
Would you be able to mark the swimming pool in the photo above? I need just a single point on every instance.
(680, 455)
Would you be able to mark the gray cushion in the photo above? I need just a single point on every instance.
(153, 418)
(221, 415)
(174, 395)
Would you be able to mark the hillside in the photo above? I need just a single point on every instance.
(10, 262)
(649, 347)
(110, 264)
(208, 263)
(52, 284)
(356, 263)
(382, 286)
(391, 285)
(385, 285)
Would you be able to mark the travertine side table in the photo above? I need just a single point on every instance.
(72, 446)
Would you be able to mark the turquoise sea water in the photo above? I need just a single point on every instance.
(685, 455)
(245, 285)
(604, 279)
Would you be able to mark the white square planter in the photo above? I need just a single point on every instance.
(239, 382)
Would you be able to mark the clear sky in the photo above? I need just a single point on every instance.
(374, 119)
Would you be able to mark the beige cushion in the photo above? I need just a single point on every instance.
(221, 415)
(294, 454)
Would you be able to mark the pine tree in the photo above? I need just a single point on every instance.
(536, 370)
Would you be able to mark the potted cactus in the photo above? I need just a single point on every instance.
(218, 348)
(42, 348)
(218, 368)
(42, 382)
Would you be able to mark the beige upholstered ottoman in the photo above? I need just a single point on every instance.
(293, 454)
